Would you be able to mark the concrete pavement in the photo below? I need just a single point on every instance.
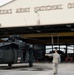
(37, 69)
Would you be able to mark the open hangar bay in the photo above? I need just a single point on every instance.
(46, 38)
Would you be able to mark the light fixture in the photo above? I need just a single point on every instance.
(68, 25)
(38, 31)
(72, 29)
(30, 27)
(4, 39)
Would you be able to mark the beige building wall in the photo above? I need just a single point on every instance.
(16, 13)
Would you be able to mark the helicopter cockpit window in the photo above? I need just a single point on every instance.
(4, 47)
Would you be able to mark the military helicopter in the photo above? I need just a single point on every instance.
(16, 50)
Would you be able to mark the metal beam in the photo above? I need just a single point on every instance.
(60, 34)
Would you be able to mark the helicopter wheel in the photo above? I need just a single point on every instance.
(30, 64)
(9, 65)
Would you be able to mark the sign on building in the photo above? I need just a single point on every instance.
(16, 13)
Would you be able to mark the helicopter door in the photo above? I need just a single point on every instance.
(24, 54)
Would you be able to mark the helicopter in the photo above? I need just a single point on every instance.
(15, 50)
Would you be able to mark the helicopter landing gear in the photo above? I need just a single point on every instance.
(9, 65)
(30, 64)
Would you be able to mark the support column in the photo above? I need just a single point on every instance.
(52, 41)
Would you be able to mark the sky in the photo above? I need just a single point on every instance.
(2, 2)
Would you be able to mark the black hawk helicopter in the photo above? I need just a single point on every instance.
(16, 50)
